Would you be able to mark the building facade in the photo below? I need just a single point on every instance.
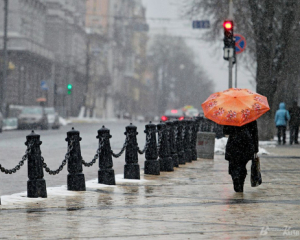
(30, 61)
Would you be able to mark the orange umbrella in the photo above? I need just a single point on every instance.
(235, 107)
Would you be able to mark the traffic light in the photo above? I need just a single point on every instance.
(228, 34)
(69, 87)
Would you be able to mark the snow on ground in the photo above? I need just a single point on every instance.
(21, 198)
(63, 121)
(220, 145)
(92, 120)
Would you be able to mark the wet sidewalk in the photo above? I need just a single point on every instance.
(196, 201)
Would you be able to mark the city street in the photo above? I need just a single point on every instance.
(54, 148)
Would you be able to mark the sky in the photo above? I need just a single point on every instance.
(209, 54)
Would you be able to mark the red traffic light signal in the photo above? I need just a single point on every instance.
(228, 34)
(228, 25)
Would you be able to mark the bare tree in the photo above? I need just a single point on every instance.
(269, 26)
(178, 80)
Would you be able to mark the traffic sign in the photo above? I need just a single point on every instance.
(240, 43)
(201, 24)
(44, 85)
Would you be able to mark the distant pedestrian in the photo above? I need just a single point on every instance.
(294, 123)
(242, 146)
(282, 116)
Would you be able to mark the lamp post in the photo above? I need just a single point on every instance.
(21, 70)
(3, 90)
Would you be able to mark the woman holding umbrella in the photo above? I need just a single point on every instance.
(237, 109)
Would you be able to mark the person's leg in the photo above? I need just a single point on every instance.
(296, 134)
(238, 172)
(279, 134)
(292, 132)
(283, 134)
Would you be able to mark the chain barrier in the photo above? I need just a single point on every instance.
(101, 144)
(21, 163)
(148, 138)
(123, 148)
(57, 171)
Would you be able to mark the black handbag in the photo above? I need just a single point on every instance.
(256, 179)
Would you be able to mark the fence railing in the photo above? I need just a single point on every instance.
(167, 145)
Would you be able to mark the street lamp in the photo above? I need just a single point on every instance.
(21, 70)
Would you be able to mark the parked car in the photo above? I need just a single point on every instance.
(190, 113)
(53, 118)
(33, 117)
(173, 114)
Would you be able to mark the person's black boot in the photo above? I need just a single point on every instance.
(238, 184)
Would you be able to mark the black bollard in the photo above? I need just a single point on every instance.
(106, 174)
(36, 185)
(151, 164)
(173, 150)
(179, 141)
(194, 130)
(186, 141)
(131, 168)
(76, 181)
(165, 159)
(201, 123)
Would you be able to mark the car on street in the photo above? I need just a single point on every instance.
(33, 117)
(173, 114)
(53, 117)
(190, 113)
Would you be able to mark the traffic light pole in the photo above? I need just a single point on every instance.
(230, 57)
(230, 71)
(235, 84)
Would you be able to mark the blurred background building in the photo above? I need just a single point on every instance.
(96, 46)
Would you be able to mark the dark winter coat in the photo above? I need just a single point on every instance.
(295, 116)
(242, 142)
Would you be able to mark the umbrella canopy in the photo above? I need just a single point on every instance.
(235, 107)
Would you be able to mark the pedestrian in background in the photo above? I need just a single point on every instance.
(242, 146)
(282, 116)
(294, 123)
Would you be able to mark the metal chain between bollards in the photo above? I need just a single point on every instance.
(21, 163)
(148, 138)
(123, 148)
(57, 171)
(101, 144)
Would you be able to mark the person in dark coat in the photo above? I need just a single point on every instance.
(241, 147)
(294, 123)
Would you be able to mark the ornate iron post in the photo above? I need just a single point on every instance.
(186, 141)
(165, 159)
(151, 164)
(179, 141)
(172, 143)
(106, 174)
(131, 168)
(76, 181)
(36, 185)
